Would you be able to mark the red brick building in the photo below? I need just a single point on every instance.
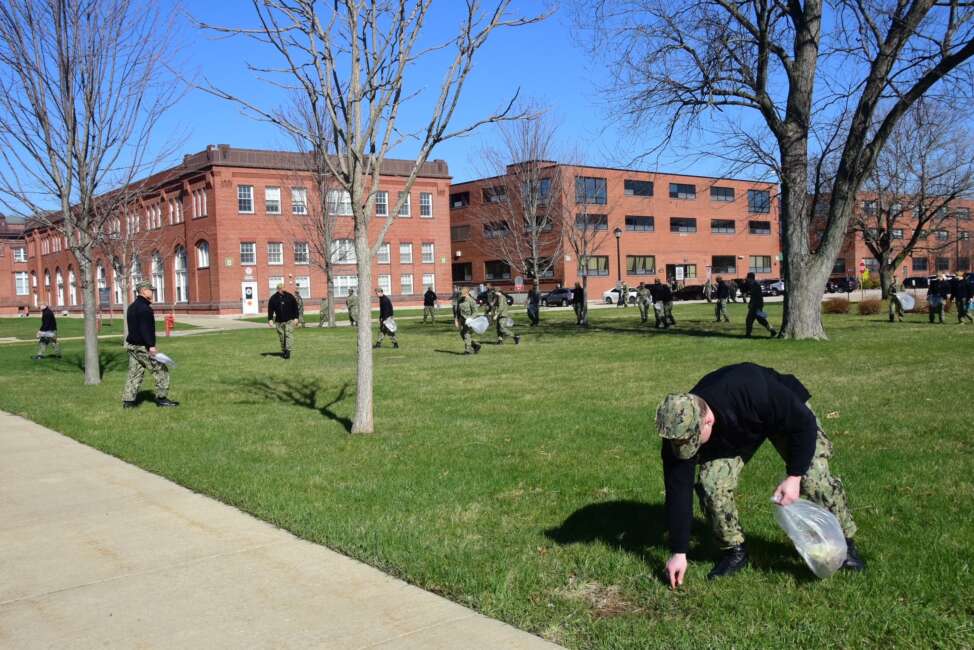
(216, 233)
(15, 291)
(655, 225)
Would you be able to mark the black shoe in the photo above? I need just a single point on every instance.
(774, 332)
(129, 404)
(469, 352)
(517, 340)
(377, 346)
(500, 341)
(853, 561)
(162, 401)
(395, 346)
(734, 560)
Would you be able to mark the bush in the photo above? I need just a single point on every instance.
(921, 306)
(835, 306)
(870, 307)
(872, 282)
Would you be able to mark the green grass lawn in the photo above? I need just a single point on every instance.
(444, 312)
(26, 328)
(525, 481)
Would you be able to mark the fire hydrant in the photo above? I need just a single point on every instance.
(170, 323)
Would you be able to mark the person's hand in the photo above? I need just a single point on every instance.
(270, 323)
(152, 352)
(676, 568)
(787, 492)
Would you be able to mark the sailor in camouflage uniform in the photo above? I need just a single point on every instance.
(497, 309)
(467, 309)
(141, 347)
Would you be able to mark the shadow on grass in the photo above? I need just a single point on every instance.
(453, 352)
(107, 361)
(302, 392)
(567, 329)
(272, 354)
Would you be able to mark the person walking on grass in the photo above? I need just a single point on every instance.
(300, 302)
(644, 300)
(712, 431)
(960, 294)
(141, 347)
(47, 335)
(755, 308)
(323, 312)
(534, 306)
(937, 293)
(351, 304)
(663, 304)
(497, 309)
(723, 292)
(578, 303)
(709, 288)
(386, 324)
(429, 305)
(466, 310)
(282, 315)
(623, 295)
(895, 306)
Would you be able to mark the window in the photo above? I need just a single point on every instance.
(759, 264)
(384, 282)
(839, 266)
(299, 200)
(494, 194)
(722, 226)
(272, 200)
(871, 234)
(21, 283)
(245, 199)
(640, 264)
(462, 272)
(248, 252)
(406, 253)
(943, 264)
(590, 190)
(872, 264)
(963, 235)
(963, 264)
(682, 191)
(460, 200)
(637, 188)
(544, 263)
(404, 208)
(426, 204)
(759, 227)
(459, 233)
(428, 254)
(176, 210)
(964, 214)
(869, 207)
(338, 202)
(59, 280)
(920, 264)
(723, 194)
(497, 270)
(941, 235)
(275, 253)
(759, 201)
(383, 255)
(302, 285)
(382, 204)
(723, 264)
(406, 284)
(592, 221)
(535, 192)
(202, 255)
(158, 272)
(683, 225)
(640, 224)
(20, 254)
(496, 229)
(343, 283)
(429, 281)
(72, 286)
(897, 233)
(273, 281)
(689, 271)
(301, 252)
(182, 278)
(343, 251)
(199, 203)
(594, 265)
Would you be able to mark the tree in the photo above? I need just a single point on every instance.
(682, 61)
(584, 231)
(353, 58)
(82, 84)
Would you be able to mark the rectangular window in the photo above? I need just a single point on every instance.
(21, 283)
(536, 192)
(384, 254)
(299, 200)
(429, 280)
(462, 272)
(459, 233)
(723, 264)
(640, 264)
(497, 270)
(839, 266)
(963, 264)
(963, 235)
(943, 264)
(941, 235)
(964, 214)
(683, 191)
(723, 194)
(639, 223)
(248, 252)
(722, 226)
(547, 268)
(872, 264)
(869, 207)
(384, 282)
(590, 190)
(20, 254)
(275, 253)
(338, 202)
(382, 204)
(245, 199)
(303, 285)
(594, 265)
(496, 229)
(343, 283)
(343, 251)
(272, 200)
(637, 188)
(494, 194)
(428, 253)
(426, 204)
(273, 281)
(759, 264)
(406, 284)
(301, 252)
(406, 200)
(759, 201)
(460, 200)
(759, 227)
(405, 253)
(920, 264)
(592, 221)
(897, 233)
(683, 225)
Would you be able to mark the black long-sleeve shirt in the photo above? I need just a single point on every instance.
(48, 322)
(756, 297)
(385, 307)
(749, 402)
(723, 291)
(141, 322)
(661, 292)
(282, 307)
(429, 298)
(578, 296)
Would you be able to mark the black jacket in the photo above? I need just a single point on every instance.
(48, 322)
(385, 307)
(959, 290)
(534, 298)
(661, 292)
(429, 298)
(723, 291)
(282, 307)
(142, 323)
(750, 402)
(756, 298)
(578, 296)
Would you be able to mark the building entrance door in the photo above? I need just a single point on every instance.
(678, 273)
(249, 296)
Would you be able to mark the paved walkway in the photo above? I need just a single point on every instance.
(96, 553)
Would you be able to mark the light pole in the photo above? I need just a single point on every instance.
(618, 233)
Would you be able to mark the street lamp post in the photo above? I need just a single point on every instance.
(618, 233)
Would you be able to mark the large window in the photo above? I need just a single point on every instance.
(302, 283)
(273, 281)
(683, 225)
(182, 279)
(426, 204)
(759, 201)
(272, 200)
(158, 277)
(245, 199)
(869, 207)
(723, 194)
(72, 286)
(536, 192)
(459, 233)
(406, 284)
(723, 264)
(202, 255)
(639, 223)
(384, 255)
(382, 204)
(592, 221)
(21, 283)
(384, 282)
(759, 227)
(920, 264)
(20, 254)
(497, 270)
(248, 252)
(199, 203)
(406, 253)
(640, 264)
(839, 266)
(460, 200)
(275, 253)
(301, 252)
(338, 202)
(683, 191)
(496, 194)
(722, 226)
(759, 264)
(896, 233)
(343, 251)
(428, 252)
(594, 265)
(404, 209)
(59, 285)
(299, 200)
(429, 281)
(343, 283)
(943, 264)
(544, 263)
(941, 235)
(964, 214)
(496, 229)
(590, 190)
(637, 188)
(462, 272)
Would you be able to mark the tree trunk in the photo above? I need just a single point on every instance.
(90, 309)
(125, 296)
(584, 322)
(363, 422)
(885, 277)
(330, 305)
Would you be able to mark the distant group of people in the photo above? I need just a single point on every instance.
(941, 292)
(496, 306)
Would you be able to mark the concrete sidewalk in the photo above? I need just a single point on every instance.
(96, 553)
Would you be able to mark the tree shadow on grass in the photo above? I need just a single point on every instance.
(453, 352)
(300, 392)
(279, 355)
(107, 362)
(558, 329)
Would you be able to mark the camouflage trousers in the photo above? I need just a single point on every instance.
(139, 361)
(664, 316)
(717, 485)
(384, 332)
(644, 307)
(429, 312)
(48, 343)
(895, 308)
(720, 311)
(466, 335)
(502, 329)
(351, 315)
(285, 333)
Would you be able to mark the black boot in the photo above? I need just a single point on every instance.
(734, 559)
(517, 339)
(853, 561)
(163, 401)
(395, 346)
(129, 404)
(377, 346)
(476, 348)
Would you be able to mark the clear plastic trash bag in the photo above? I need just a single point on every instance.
(390, 325)
(906, 301)
(816, 534)
(479, 324)
(507, 322)
(165, 359)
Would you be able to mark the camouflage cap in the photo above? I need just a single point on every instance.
(678, 420)
(144, 284)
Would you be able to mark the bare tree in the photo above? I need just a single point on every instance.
(584, 231)
(82, 84)
(681, 61)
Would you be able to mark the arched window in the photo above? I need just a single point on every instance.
(59, 286)
(135, 276)
(202, 254)
(101, 282)
(72, 286)
(117, 271)
(182, 279)
(158, 277)
(33, 286)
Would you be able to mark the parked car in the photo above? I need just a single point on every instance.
(842, 285)
(561, 297)
(772, 287)
(689, 292)
(916, 282)
(482, 298)
(611, 297)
